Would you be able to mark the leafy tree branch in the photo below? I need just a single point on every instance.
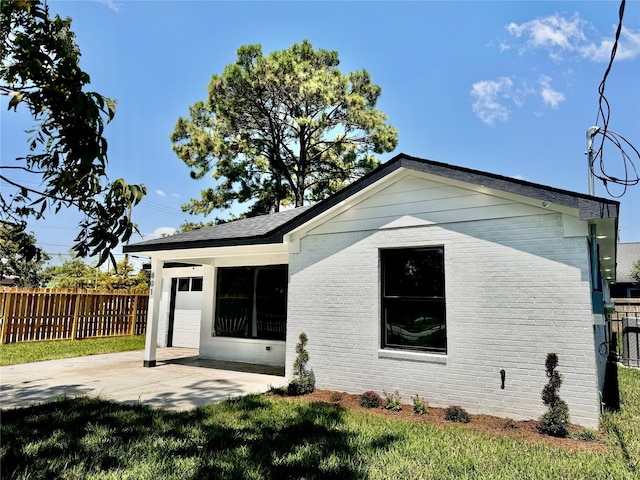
(67, 152)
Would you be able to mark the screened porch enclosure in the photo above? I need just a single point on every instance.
(251, 302)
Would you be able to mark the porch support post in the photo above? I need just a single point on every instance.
(153, 313)
(207, 308)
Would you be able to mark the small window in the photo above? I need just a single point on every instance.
(413, 303)
(183, 284)
(196, 284)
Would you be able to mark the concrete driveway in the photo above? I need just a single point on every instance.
(180, 381)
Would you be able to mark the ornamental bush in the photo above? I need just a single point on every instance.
(335, 397)
(370, 399)
(392, 401)
(456, 414)
(420, 405)
(304, 381)
(556, 420)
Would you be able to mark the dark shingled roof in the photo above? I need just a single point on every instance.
(626, 256)
(271, 228)
(243, 232)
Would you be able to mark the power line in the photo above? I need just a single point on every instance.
(627, 150)
(161, 209)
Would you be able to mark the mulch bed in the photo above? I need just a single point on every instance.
(522, 430)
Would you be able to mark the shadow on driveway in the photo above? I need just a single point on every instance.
(180, 381)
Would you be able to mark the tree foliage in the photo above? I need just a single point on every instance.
(191, 226)
(635, 272)
(27, 270)
(67, 152)
(75, 273)
(281, 129)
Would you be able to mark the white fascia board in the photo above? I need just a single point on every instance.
(206, 256)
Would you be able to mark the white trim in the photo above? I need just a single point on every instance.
(204, 256)
(413, 356)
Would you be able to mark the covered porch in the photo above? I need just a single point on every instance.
(238, 302)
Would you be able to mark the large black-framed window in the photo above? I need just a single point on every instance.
(413, 300)
(251, 302)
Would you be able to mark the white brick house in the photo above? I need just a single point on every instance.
(420, 277)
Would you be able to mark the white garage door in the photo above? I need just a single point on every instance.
(186, 316)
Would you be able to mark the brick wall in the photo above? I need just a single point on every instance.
(516, 289)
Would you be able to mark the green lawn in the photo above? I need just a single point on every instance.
(260, 437)
(26, 352)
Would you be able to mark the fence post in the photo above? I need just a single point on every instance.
(133, 315)
(6, 310)
(76, 314)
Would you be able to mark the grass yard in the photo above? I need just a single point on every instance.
(260, 437)
(26, 352)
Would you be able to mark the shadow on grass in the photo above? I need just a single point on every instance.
(249, 437)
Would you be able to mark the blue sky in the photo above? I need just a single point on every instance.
(505, 87)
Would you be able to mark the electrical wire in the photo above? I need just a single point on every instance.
(631, 176)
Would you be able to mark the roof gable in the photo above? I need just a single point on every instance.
(409, 199)
(272, 228)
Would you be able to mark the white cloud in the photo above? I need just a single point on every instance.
(115, 6)
(160, 193)
(554, 33)
(175, 195)
(160, 232)
(492, 99)
(520, 177)
(487, 105)
(560, 35)
(550, 96)
(628, 47)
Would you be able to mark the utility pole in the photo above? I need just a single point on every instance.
(591, 133)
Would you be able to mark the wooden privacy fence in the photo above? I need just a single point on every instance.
(28, 314)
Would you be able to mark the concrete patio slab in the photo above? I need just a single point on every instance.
(180, 381)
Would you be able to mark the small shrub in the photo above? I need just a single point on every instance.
(509, 424)
(556, 420)
(420, 405)
(585, 435)
(302, 385)
(370, 399)
(304, 381)
(392, 401)
(335, 397)
(456, 414)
